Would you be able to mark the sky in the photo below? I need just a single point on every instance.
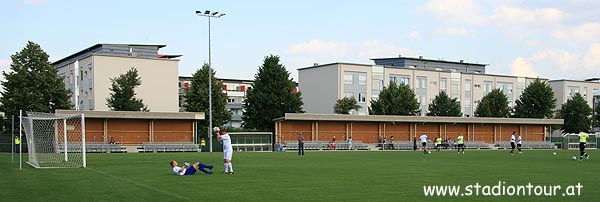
(534, 38)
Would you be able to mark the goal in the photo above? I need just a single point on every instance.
(55, 140)
(572, 141)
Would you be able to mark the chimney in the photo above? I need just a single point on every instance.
(461, 61)
(420, 57)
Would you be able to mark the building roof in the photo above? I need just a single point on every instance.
(136, 114)
(168, 56)
(569, 80)
(418, 119)
(100, 45)
(429, 60)
(329, 64)
(429, 70)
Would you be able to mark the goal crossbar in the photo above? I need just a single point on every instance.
(55, 140)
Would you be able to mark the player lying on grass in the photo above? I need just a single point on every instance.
(186, 169)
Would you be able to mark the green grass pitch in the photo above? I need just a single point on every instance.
(317, 176)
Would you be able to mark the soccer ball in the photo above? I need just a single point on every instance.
(554, 153)
(216, 129)
(574, 158)
(186, 164)
(429, 152)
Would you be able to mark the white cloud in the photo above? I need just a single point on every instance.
(557, 63)
(4, 66)
(465, 11)
(520, 67)
(561, 59)
(322, 52)
(414, 35)
(514, 16)
(591, 59)
(34, 2)
(320, 48)
(585, 33)
(375, 49)
(454, 31)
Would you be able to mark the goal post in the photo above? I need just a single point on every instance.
(55, 140)
(571, 140)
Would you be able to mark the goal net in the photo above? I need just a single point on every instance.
(55, 140)
(572, 141)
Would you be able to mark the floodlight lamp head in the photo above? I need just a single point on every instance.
(215, 13)
(198, 12)
(206, 12)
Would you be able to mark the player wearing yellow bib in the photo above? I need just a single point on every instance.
(438, 143)
(582, 141)
(461, 144)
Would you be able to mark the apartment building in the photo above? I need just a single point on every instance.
(236, 93)
(322, 85)
(566, 89)
(87, 74)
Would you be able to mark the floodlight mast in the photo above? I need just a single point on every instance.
(208, 15)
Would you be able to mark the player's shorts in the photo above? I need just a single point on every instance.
(581, 146)
(512, 145)
(424, 143)
(519, 145)
(227, 154)
(190, 171)
(461, 145)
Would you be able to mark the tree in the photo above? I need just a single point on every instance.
(344, 105)
(537, 101)
(395, 100)
(122, 95)
(196, 97)
(271, 97)
(32, 84)
(494, 104)
(577, 115)
(443, 105)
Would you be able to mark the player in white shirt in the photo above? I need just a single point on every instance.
(512, 143)
(519, 144)
(188, 169)
(424, 139)
(225, 139)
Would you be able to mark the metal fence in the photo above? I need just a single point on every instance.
(251, 141)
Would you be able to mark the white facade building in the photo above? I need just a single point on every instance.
(323, 85)
(87, 74)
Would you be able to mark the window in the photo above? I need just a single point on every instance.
(443, 84)
(81, 75)
(487, 87)
(362, 80)
(405, 80)
(348, 79)
(375, 95)
(362, 98)
(585, 92)
(421, 82)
